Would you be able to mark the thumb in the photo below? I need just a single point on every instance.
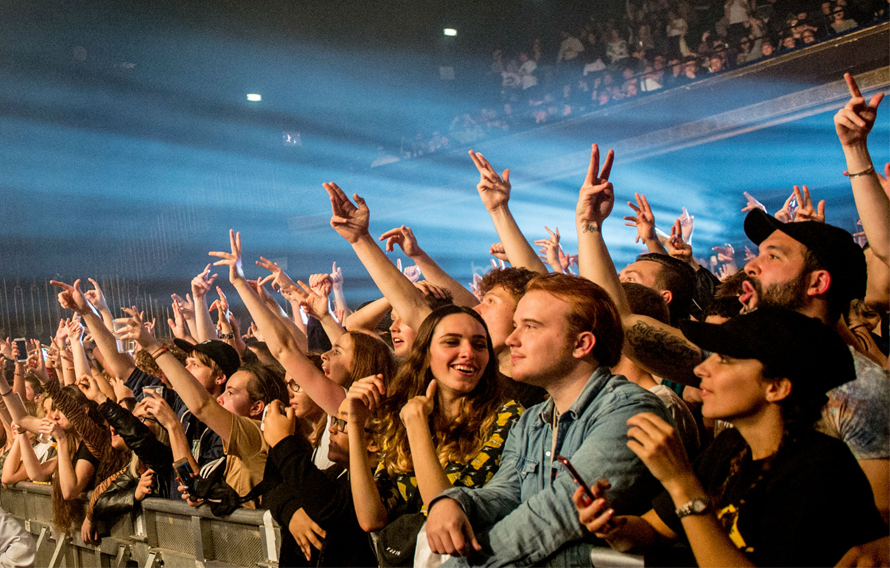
(431, 388)
(289, 412)
(77, 286)
(506, 175)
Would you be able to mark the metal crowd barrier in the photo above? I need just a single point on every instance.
(163, 533)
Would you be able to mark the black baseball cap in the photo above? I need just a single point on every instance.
(832, 246)
(224, 355)
(789, 344)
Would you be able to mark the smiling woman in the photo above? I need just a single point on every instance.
(443, 420)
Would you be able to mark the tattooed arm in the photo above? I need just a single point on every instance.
(661, 349)
(658, 348)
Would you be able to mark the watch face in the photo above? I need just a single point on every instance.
(699, 506)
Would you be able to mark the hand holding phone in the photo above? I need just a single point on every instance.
(576, 477)
(186, 477)
(21, 344)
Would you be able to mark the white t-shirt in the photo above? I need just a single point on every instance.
(320, 459)
(683, 419)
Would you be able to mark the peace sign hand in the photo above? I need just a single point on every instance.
(597, 196)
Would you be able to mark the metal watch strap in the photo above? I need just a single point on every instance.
(697, 506)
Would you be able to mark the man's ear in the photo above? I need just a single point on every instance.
(220, 380)
(667, 295)
(778, 390)
(818, 282)
(584, 345)
(256, 409)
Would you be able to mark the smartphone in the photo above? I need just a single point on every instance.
(184, 473)
(158, 390)
(576, 476)
(44, 349)
(22, 344)
(263, 419)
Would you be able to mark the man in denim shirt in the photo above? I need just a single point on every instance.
(567, 335)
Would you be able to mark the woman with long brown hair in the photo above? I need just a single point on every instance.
(441, 422)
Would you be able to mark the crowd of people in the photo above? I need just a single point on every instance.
(736, 419)
(655, 45)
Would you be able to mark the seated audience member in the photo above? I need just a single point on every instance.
(234, 415)
(441, 423)
(749, 499)
(567, 336)
(314, 505)
(839, 22)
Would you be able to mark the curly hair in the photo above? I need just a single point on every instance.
(457, 439)
(512, 279)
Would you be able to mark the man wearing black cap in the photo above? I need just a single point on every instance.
(810, 267)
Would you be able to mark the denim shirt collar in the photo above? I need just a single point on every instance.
(594, 384)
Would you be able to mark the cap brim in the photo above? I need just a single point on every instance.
(759, 226)
(716, 338)
(184, 345)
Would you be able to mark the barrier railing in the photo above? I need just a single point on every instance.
(163, 532)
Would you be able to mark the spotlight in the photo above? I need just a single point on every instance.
(449, 31)
(254, 98)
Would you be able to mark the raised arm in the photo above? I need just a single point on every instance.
(369, 316)
(336, 277)
(201, 285)
(658, 348)
(853, 123)
(404, 237)
(121, 365)
(324, 392)
(351, 222)
(364, 397)
(495, 193)
(200, 402)
(644, 220)
(317, 306)
(97, 299)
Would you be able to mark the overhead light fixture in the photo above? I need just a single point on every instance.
(449, 31)
(254, 98)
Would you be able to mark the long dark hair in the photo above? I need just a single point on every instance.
(458, 439)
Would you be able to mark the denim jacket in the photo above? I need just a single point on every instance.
(527, 507)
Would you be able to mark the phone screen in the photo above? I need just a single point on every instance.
(22, 345)
(184, 472)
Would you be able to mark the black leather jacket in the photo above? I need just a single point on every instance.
(120, 496)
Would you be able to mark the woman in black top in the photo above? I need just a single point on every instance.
(771, 491)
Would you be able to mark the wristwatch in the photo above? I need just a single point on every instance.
(225, 336)
(697, 506)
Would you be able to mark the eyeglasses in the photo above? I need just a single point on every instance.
(340, 425)
(293, 387)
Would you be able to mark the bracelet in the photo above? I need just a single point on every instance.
(5, 393)
(865, 172)
(69, 368)
(224, 336)
(160, 351)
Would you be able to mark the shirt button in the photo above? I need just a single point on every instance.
(547, 454)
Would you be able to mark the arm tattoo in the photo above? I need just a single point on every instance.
(662, 353)
(591, 228)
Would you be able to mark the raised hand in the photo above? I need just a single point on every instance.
(321, 284)
(412, 272)
(597, 196)
(202, 283)
(231, 259)
(753, 204)
(6, 348)
(806, 211)
(134, 329)
(725, 253)
(177, 324)
(494, 189)
(314, 303)
(677, 247)
(474, 285)
(550, 253)
(364, 397)
(90, 388)
(279, 279)
(419, 408)
(121, 390)
(279, 423)
(687, 225)
(337, 276)
(644, 220)
(404, 237)
(36, 361)
(71, 298)
(788, 211)
(497, 250)
(187, 306)
(156, 406)
(348, 219)
(96, 297)
(853, 122)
